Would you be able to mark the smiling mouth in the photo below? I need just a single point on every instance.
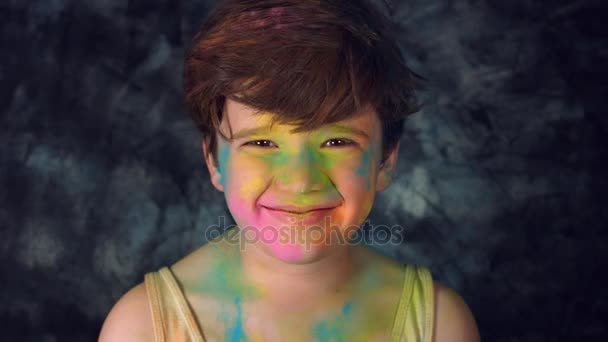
(304, 217)
(298, 212)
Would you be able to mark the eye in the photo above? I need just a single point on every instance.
(338, 142)
(260, 143)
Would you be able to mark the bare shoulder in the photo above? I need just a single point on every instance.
(129, 319)
(454, 320)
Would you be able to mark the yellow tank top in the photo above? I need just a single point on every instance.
(174, 321)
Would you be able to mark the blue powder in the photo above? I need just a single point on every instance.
(236, 332)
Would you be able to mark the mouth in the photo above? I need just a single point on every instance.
(298, 210)
(295, 212)
(305, 217)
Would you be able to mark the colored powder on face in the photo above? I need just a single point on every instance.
(223, 157)
(363, 170)
(252, 187)
(322, 332)
(305, 162)
(346, 309)
(287, 251)
(237, 204)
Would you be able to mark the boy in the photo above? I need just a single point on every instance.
(301, 104)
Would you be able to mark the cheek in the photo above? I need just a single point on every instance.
(365, 170)
(355, 180)
(250, 187)
(246, 175)
(246, 179)
(238, 208)
(356, 174)
(223, 160)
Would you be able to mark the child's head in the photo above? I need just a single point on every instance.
(308, 62)
(301, 64)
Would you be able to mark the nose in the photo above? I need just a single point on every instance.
(300, 173)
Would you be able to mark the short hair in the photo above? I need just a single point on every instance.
(309, 62)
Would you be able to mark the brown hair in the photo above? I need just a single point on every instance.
(310, 62)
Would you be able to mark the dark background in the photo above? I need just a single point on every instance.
(501, 179)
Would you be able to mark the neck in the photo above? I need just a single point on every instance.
(281, 282)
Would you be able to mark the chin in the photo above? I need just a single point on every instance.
(298, 253)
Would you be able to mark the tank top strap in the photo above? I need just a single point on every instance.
(172, 317)
(156, 306)
(415, 311)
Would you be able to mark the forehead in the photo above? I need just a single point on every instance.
(240, 116)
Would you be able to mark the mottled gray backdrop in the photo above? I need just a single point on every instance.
(501, 180)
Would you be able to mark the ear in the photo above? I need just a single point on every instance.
(214, 170)
(386, 169)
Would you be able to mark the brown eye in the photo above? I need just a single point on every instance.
(260, 143)
(338, 142)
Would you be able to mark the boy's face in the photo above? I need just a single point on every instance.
(330, 174)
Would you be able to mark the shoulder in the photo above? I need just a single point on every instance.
(454, 320)
(129, 319)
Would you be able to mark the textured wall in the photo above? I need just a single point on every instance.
(501, 176)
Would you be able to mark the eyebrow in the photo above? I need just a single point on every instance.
(349, 129)
(265, 129)
(250, 131)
